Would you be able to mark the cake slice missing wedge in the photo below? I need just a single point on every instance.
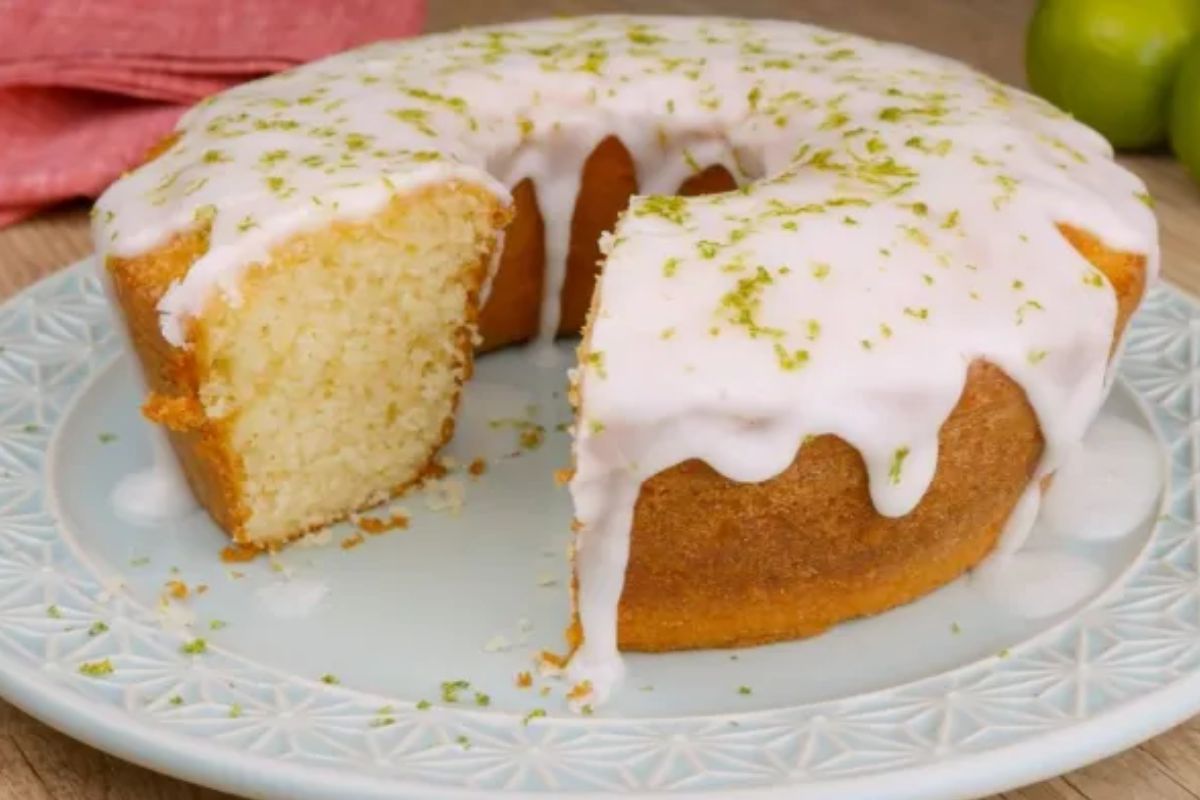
(329, 380)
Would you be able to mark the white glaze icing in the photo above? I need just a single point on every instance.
(1107, 486)
(1103, 489)
(1036, 584)
(1103, 486)
(157, 493)
(898, 222)
(1020, 523)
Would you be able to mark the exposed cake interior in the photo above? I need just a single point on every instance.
(338, 367)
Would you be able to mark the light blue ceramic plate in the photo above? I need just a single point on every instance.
(948, 697)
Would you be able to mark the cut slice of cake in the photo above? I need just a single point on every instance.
(329, 379)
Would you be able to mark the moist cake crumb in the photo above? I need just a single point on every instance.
(239, 553)
(378, 525)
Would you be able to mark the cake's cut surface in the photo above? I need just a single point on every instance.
(814, 396)
(334, 376)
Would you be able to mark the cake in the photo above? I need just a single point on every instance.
(855, 303)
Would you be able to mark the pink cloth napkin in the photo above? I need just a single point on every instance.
(87, 87)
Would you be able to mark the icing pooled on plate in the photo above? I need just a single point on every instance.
(1102, 490)
(1037, 584)
(1107, 486)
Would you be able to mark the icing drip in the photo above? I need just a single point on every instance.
(558, 244)
(1020, 522)
(600, 557)
(555, 170)
(897, 222)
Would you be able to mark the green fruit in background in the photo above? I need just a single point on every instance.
(1111, 63)
(1185, 111)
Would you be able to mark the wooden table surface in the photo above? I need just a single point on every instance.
(37, 763)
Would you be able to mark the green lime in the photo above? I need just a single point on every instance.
(1185, 111)
(1111, 63)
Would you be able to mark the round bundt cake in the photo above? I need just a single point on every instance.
(855, 301)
